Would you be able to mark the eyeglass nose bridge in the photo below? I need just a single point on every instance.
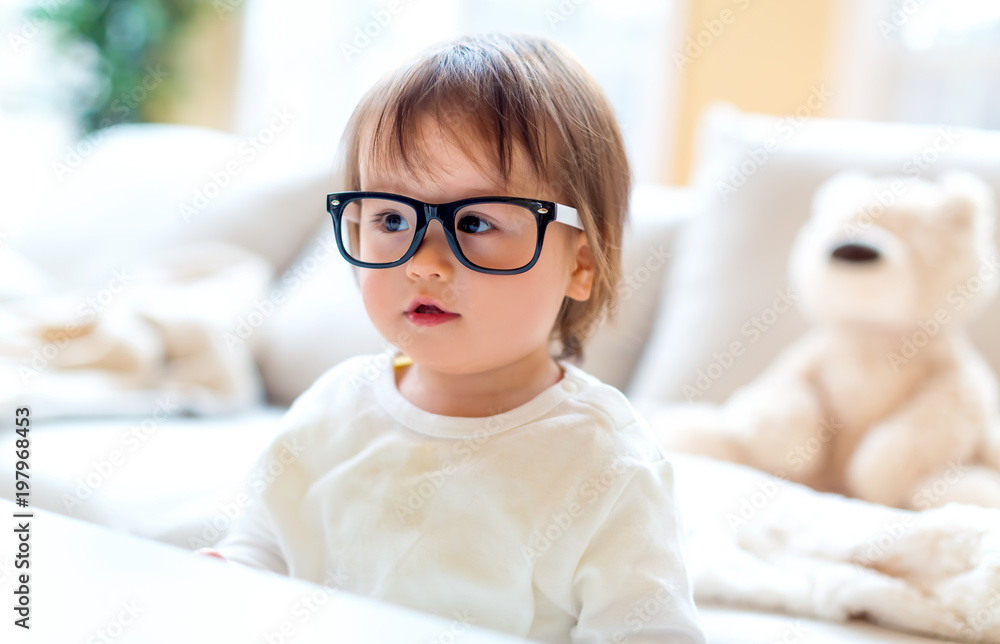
(446, 219)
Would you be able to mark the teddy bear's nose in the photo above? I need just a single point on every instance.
(855, 253)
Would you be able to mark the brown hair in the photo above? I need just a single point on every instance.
(511, 90)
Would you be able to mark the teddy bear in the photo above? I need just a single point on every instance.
(884, 399)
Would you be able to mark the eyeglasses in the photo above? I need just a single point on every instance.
(495, 235)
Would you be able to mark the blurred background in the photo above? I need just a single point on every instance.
(168, 275)
(69, 67)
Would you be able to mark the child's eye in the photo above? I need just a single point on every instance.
(393, 222)
(473, 224)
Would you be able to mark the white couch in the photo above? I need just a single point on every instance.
(177, 478)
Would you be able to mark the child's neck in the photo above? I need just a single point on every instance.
(481, 394)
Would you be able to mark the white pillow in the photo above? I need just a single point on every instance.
(657, 215)
(724, 316)
(321, 321)
(132, 190)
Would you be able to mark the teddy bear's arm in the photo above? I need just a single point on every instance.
(940, 426)
(778, 423)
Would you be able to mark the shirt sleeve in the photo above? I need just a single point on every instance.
(632, 582)
(251, 540)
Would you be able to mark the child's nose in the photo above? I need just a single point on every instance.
(433, 256)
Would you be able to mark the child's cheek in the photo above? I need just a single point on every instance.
(377, 298)
(520, 304)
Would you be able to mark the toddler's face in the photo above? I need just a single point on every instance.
(501, 318)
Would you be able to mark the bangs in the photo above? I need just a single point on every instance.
(487, 100)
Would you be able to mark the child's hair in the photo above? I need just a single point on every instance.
(510, 90)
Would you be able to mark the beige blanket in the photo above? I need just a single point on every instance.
(182, 327)
(758, 541)
(176, 331)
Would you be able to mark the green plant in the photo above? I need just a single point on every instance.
(134, 40)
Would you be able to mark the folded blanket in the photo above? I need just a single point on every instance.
(175, 332)
(756, 540)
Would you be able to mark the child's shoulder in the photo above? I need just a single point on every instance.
(356, 370)
(612, 411)
(340, 385)
(605, 399)
(334, 397)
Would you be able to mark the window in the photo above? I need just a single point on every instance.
(923, 61)
(302, 54)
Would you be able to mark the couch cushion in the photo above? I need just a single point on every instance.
(723, 316)
(171, 478)
(658, 215)
(142, 188)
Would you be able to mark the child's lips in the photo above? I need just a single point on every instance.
(427, 311)
(427, 305)
(430, 319)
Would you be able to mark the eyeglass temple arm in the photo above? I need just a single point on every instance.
(568, 215)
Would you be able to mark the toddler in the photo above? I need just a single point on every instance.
(479, 470)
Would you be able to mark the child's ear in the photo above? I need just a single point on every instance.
(582, 278)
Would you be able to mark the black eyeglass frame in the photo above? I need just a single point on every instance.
(545, 213)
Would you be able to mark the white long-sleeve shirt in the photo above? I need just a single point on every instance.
(555, 521)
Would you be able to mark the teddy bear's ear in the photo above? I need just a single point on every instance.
(841, 187)
(968, 194)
